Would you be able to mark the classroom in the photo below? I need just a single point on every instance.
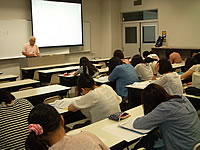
(105, 29)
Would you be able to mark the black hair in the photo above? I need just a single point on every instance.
(136, 59)
(6, 96)
(145, 54)
(164, 66)
(48, 118)
(113, 62)
(153, 95)
(118, 53)
(84, 61)
(85, 81)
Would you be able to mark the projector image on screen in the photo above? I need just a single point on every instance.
(57, 23)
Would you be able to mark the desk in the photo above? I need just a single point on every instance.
(37, 95)
(69, 80)
(62, 107)
(9, 77)
(104, 129)
(45, 75)
(28, 72)
(195, 100)
(16, 85)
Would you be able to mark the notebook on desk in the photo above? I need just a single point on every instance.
(129, 126)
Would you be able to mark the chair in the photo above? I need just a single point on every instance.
(197, 146)
(55, 79)
(52, 99)
(36, 75)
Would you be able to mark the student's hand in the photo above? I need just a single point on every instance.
(156, 68)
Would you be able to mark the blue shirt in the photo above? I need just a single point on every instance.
(123, 75)
(178, 122)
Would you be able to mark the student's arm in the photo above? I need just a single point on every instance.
(187, 74)
(152, 119)
(38, 51)
(72, 108)
(84, 102)
(156, 72)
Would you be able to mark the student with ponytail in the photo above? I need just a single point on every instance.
(46, 128)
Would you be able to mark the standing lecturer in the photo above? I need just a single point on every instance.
(30, 48)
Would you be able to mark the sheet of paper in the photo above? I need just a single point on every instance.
(139, 85)
(121, 133)
(128, 125)
(62, 105)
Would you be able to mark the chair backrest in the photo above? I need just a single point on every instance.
(55, 79)
(197, 146)
(51, 99)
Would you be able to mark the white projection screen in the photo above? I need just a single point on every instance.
(57, 22)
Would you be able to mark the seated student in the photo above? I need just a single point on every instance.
(145, 54)
(46, 128)
(118, 53)
(136, 59)
(87, 67)
(153, 55)
(169, 80)
(98, 102)
(123, 74)
(143, 68)
(13, 121)
(175, 57)
(194, 68)
(175, 116)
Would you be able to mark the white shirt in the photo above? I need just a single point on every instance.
(144, 71)
(194, 68)
(31, 50)
(171, 82)
(99, 103)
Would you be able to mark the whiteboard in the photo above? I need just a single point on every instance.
(15, 33)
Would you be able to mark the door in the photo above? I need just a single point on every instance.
(148, 35)
(131, 38)
(138, 37)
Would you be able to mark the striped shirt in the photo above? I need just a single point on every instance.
(14, 124)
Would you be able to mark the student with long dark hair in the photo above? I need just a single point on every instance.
(87, 67)
(46, 128)
(13, 121)
(175, 116)
(169, 80)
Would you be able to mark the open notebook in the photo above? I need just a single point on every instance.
(129, 126)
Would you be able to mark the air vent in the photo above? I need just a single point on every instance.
(137, 2)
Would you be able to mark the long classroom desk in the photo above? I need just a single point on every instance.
(71, 80)
(8, 77)
(16, 85)
(45, 75)
(28, 72)
(37, 95)
(112, 135)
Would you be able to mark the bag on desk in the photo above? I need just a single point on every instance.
(192, 91)
(119, 116)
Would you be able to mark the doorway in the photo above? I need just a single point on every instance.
(139, 36)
